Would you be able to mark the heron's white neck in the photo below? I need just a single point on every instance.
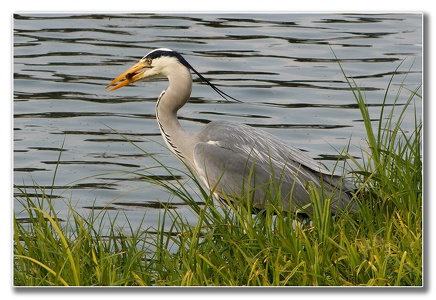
(179, 141)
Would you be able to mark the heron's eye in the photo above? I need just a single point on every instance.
(148, 61)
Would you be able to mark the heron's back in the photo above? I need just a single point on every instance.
(231, 158)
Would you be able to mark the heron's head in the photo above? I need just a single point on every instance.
(162, 62)
(157, 63)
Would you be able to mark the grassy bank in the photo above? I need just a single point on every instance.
(380, 245)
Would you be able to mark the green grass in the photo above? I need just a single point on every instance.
(381, 245)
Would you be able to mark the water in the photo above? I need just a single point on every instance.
(281, 66)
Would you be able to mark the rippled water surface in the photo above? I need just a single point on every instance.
(281, 66)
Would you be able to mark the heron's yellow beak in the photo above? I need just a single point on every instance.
(131, 75)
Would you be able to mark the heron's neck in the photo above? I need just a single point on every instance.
(178, 140)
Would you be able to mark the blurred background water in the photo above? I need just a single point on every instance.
(282, 66)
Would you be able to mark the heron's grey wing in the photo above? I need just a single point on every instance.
(228, 155)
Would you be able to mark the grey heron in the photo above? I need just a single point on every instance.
(231, 158)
